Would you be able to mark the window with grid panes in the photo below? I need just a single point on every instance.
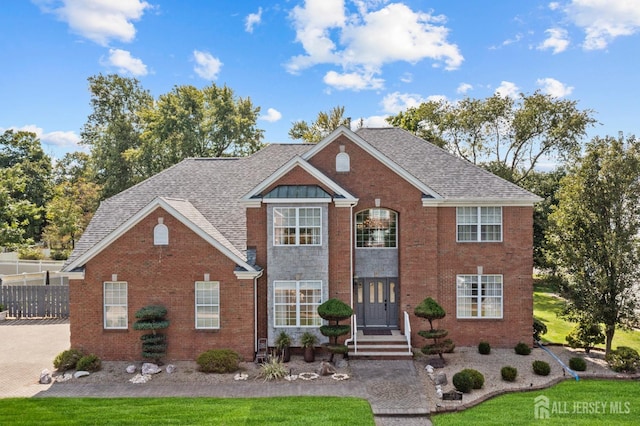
(479, 296)
(296, 303)
(479, 224)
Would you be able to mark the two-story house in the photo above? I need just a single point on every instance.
(243, 248)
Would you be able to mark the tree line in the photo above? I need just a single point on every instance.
(586, 228)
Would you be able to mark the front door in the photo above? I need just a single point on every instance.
(377, 302)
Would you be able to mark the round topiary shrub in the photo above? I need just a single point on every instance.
(218, 361)
(476, 376)
(541, 368)
(577, 364)
(623, 360)
(522, 349)
(509, 373)
(484, 348)
(463, 381)
(67, 360)
(89, 363)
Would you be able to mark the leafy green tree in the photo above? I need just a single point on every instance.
(507, 136)
(113, 127)
(594, 236)
(325, 123)
(16, 212)
(189, 122)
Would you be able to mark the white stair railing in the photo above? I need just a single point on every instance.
(407, 330)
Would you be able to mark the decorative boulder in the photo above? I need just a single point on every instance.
(80, 373)
(45, 377)
(150, 368)
(131, 369)
(326, 369)
(170, 368)
(441, 379)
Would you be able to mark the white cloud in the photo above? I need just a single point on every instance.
(554, 5)
(463, 88)
(407, 77)
(125, 63)
(207, 66)
(361, 42)
(507, 89)
(553, 87)
(558, 40)
(352, 81)
(61, 139)
(252, 20)
(395, 102)
(604, 20)
(99, 20)
(372, 121)
(271, 116)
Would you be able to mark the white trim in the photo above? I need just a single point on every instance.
(104, 305)
(296, 200)
(247, 275)
(142, 214)
(344, 131)
(483, 202)
(196, 305)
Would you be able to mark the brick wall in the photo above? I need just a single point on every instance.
(161, 275)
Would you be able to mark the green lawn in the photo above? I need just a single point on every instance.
(185, 411)
(546, 306)
(587, 402)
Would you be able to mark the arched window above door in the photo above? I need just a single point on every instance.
(376, 228)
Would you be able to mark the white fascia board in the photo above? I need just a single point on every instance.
(247, 275)
(494, 202)
(295, 200)
(139, 216)
(362, 143)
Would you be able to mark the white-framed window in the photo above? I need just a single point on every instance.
(295, 303)
(479, 296)
(377, 228)
(479, 224)
(297, 226)
(115, 305)
(208, 304)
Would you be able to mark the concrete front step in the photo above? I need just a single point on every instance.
(385, 355)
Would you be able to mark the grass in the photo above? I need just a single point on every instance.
(182, 411)
(570, 403)
(546, 306)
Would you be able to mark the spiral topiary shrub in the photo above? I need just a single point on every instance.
(335, 310)
(541, 368)
(577, 364)
(509, 373)
(522, 349)
(476, 376)
(89, 363)
(484, 348)
(430, 310)
(463, 381)
(152, 318)
(67, 360)
(218, 361)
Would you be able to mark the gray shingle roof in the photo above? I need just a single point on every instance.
(211, 188)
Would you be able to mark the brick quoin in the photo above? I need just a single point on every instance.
(163, 275)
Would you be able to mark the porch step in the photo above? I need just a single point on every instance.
(393, 347)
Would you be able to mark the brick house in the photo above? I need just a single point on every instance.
(243, 248)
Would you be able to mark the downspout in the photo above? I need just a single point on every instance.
(353, 325)
(255, 312)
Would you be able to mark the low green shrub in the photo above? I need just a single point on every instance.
(585, 336)
(463, 381)
(30, 253)
(60, 254)
(509, 373)
(89, 363)
(541, 368)
(577, 364)
(218, 361)
(522, 349)
(273, 369)
(476, 376)
(484, 348)
(67, 360)
(539, 328)
(623, 360)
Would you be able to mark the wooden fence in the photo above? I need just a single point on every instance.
(35, 301)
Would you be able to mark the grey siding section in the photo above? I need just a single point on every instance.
(376, 262)
(296, 263)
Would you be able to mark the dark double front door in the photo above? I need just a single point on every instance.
(376, 302)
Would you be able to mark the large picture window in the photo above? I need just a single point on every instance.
(296, 303)
(115, 305)
(297, 226)
(207, 304)
(479, 296)
(376, 228)
(481, 224)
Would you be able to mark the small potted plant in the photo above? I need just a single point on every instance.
(309, 341)
(283, 342)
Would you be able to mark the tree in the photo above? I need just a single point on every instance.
(152, 318)
(325, 123)
(430, 310)
(594, 235)
(16, 212)
(188, 122)
(31, 168)
(113, 127)
(335, 310)
(509, 137)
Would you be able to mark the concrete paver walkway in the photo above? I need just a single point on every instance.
(392, 387)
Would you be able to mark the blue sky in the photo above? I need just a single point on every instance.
(294, 58)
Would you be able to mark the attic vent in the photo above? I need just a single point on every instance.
(160, 234)
(343, 162)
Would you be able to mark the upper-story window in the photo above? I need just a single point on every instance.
(297, 226)
(480, 224)
(376, 228)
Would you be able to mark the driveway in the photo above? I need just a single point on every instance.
(28, 346)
